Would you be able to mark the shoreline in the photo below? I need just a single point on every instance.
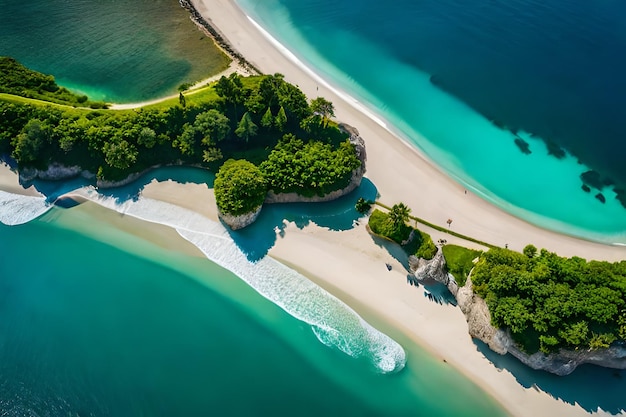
(354, 271)
(472, 215)
(232, 68)
(352, 258)
(9, 182)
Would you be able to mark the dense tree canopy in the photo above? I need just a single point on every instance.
(239, 187)
(240, 118)
(312, 168)
(549, 302)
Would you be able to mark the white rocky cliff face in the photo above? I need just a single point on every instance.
(479, 326)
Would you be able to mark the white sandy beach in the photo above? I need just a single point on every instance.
(349, 264)
(9, 182)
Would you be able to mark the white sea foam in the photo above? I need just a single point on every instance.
(333, 322)
(19, 209)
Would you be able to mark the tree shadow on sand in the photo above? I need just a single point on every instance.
(431, 289)
(589, 386)
(256, 240)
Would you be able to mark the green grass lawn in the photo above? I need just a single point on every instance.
(459, 261)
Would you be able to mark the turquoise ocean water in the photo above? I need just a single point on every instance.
(112, 50)
(385, 57)
(98, 322)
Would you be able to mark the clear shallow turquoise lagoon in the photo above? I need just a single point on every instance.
(120, 51)
(381, 57)
(99, 322)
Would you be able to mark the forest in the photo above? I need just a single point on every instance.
(549, 302)
(233, 118)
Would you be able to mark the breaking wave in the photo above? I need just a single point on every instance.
(333, 322)
(19, 209)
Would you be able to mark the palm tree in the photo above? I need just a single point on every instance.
(399, 215)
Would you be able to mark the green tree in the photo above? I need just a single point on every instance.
(268, 89)
(246, 127)
(147, 137)
(186, 141)
(314, 168)
(231, 90)
(399, 215)
(268, 119)
(182, 100)
(239, 187)
(212, 154)
(281, 119)
(362, 205)
(120, 155)
(30, 141)
(293, 100)
(324, 108)
(213, 126)
(530, 251)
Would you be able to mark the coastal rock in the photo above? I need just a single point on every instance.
(523, 146)
(55, 172)
(355, 180)
(100, 183)
(241, 221)
(566, 361)
(479, 319)
(562, 363)
(217, 36)
(434, 269)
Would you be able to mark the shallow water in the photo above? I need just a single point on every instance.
(356, 48)
(121, 51)
(132, 329)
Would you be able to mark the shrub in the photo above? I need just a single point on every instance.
(312, 168)
(362, 205)
(239, 187)
(381, 224)
(427, 248)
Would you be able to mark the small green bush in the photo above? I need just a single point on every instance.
(239, 187)
(427, 248)
(381, 224)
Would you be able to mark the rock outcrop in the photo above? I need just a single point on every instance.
(434, 269)
(241, 221)
(562, 363)
(54, 172)
(479, 326)
(479, 319)
(355, 180)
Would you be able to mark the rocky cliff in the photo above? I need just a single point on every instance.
(55, 172)
(479, 326)
(239, 222)
(434, 269)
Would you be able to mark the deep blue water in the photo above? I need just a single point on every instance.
(553, 68)
(463, 83)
